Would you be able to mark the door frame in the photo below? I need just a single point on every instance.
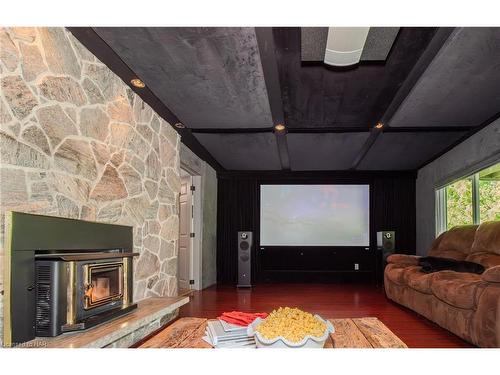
(195, 267)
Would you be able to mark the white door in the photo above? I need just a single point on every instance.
(185, 222)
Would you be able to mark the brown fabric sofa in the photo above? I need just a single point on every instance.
(464, 303)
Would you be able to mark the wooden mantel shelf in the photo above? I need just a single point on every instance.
(124, 331)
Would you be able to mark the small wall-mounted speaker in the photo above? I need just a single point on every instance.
(245, 244)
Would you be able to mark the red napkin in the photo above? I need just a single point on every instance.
(241, 318)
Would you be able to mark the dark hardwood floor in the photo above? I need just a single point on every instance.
(329, 301)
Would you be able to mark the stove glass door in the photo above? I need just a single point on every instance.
(104, 284)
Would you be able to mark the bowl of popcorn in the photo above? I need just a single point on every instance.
(290, 328)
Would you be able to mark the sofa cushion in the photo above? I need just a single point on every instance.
(487, 238)
(492, 275)
(395, 273)
(449, 254)
(416, 279)
(455, 243)
(403, 259)
(486, 259)
(434, 264)
(457, 289)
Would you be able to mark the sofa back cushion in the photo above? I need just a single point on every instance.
(487, 260)
(487, 238)
(486, 246)
(455, 243)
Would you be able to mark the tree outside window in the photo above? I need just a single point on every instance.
(472, 200)
(459, 210)
(489, 194)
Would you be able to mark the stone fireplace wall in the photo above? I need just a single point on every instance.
(76, 142)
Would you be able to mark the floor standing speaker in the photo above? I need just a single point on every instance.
(386, 245)
(245, 243)
(386, 240)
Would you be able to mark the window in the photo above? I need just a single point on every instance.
(489, 193)
(470, 200)
(459, 210)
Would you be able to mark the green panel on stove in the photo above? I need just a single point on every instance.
(38, 232)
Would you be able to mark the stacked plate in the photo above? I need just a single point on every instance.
(221, 334)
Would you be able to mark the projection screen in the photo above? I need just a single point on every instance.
(314, 215)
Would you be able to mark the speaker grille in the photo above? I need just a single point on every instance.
(313, 43)
(377, 46)
(245, 244)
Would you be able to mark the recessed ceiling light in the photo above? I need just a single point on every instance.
(379, 125)
(179, 125)
(279, 127)
(136, 82)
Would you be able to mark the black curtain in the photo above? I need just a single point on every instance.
(236, 207)
(393, 205)
(392, 208)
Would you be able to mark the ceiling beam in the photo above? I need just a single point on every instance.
(406, 129)
(265, 41)
(435, 45)
(336, 129)
(365, 148)
(318, 176)
(97, 46)
(231, 130)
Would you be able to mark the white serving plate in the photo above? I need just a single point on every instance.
(281, 342)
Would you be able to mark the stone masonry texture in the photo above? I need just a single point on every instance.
(76, 142)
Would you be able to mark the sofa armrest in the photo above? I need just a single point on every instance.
(403, 259)
(492, 274)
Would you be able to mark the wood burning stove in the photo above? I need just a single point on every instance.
(75, 291)
(63, 275)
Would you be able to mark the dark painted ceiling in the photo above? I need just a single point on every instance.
(324, 151)
(461, 87)
(229, 86)
(245, 151)
(403, 151)
(209, 77)
(320, 96)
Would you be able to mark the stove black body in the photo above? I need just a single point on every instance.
(62, 285)
(35, 240)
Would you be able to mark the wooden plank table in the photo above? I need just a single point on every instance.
(349, 333)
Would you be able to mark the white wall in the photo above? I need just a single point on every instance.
(478, 151)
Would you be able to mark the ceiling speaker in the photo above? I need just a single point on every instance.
(344, 45)
(376, 47)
